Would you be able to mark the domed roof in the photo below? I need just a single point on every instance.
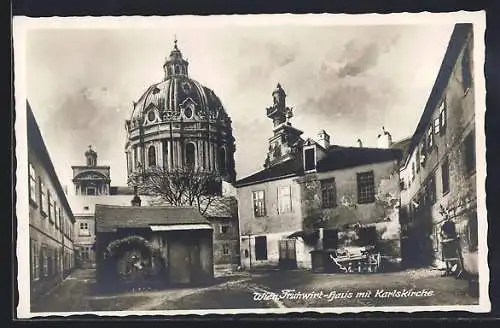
(177, 92)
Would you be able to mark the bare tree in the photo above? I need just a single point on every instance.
(185, 186)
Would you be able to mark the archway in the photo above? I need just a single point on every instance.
(131, 259)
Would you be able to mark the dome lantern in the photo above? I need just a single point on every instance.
(175, 64)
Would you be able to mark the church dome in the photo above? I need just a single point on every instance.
(178, 97)
(179, 122)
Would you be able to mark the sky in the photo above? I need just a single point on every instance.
(348, 80)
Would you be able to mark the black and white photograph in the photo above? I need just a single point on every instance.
(250, 164)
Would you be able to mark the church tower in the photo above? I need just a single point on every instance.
(91, 179)
(286, 141)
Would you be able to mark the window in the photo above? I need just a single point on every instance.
(58, 216)
(430, 189)
(470, 152)
(284, 200)
(466, 71)
(412, 171)
(430, 140)
(442, 117)
(61, 221)
(445, 176)
(51, 207)
(32, 183)
(43, 199)
(261, 248)
(310, 160)
(259, 206)
(224, 228)
(54, 212)
(152, 156)
(84, 229)
(90, 191)
(222, 160)
(190, 154)
(328, 193)
(35, 260)
(437, 125)
(136, 159)
(225, 249)
(151, 116)
(366, 187)
(45, 262)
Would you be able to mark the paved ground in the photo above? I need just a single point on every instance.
(265, 289)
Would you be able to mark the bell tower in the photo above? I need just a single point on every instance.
(91, 179)
(284, 143)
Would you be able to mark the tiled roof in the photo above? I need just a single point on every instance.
(112, 217)
(339, 157)
(223, 207)
(286, 168)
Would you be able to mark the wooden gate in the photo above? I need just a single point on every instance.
(288, 255)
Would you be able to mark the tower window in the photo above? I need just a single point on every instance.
(152, 156)
(190, 154)
(222, 160)
(151, 116)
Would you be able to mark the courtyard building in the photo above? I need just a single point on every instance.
(51, 220)
(144, 245)
(315, 197)
(438, 175)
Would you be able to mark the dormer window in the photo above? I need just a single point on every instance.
(151, 116)
(310, 159)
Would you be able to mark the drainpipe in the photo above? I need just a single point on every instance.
(250, 250)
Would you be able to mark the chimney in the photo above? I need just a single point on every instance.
(136, 201)
(384, 139)
(360, 143)
(323, 139)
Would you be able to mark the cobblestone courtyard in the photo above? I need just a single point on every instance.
(76, 293)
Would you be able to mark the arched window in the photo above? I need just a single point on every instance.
(176, 69)
(222, 160)
(190, 154)
(152, 156)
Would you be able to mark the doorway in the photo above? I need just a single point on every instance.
(287, 253)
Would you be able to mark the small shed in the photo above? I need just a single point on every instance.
(145, 244)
